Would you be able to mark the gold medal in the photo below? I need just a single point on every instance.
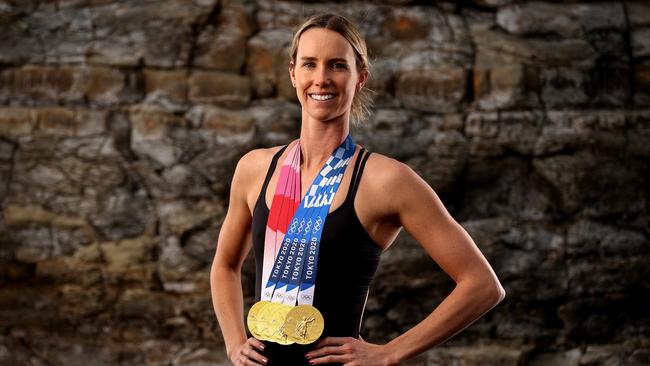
(254, 321)
(265, 315)
(304, 324)
(275, 331)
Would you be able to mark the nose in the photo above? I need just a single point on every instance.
(322, 77)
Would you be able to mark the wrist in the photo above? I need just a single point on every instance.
(391, 354)
(231, 349)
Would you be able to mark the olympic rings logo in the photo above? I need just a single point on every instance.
(318, 224)
(294, 224)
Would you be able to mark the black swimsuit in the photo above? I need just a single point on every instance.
(347, 262)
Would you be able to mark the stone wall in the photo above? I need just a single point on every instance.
(121, 123)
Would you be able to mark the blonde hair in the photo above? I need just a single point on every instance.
(362, 100)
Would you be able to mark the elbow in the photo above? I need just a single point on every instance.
(490, 292)
(498, 293)
(501, 292)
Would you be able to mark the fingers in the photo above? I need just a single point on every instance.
(332, 341)
(255, 343)
(248, 354)
(332, 350)
(328, 350)
(330, 359)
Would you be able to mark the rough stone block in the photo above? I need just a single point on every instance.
(611, 86)
(277, 122)
(382, 82)
(128, 252)
(504, 187)
(268, 62)
(219, 87)
(640, 39)
(444, 163)
(595, 239)
(104, 85)
(47, 84)
(595, 184)
(149, 134)
(563, 87)
(220, 50)
(44, 83)
(408, 24)
(638, 133)
(638, 13)
(387, 129)
(143, 304)
(500, 87)
(438, 90)
(168, 88)
(123, 213)
(492, 355)
(157, 34)
(229, 126)
(56, 122)
(565, 358)
(566, 20)
(572, 130)
(497, 48)
(17, 121)
(642, 84)
(519, 131)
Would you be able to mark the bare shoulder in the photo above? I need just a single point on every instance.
(394, 184)
(251, 171)
(256, 161)
(388, 171)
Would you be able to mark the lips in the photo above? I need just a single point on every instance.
(322, 97)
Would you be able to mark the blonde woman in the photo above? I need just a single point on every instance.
(318, 213)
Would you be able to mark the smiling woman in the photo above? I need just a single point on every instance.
(326, 82)
(344, 40)
(317, 244)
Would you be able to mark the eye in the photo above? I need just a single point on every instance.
(339, 66)
(308, 64)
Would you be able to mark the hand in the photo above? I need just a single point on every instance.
(350, 352)
(247, 353)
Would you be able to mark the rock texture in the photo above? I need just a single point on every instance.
(121, 123)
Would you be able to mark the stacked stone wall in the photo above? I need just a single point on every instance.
(121, 123)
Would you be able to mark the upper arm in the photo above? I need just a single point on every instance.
(234, 240)
(423, 215)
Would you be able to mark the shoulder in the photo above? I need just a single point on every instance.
(394, 181)
(256, 161)
(387, 170)
(251, 170)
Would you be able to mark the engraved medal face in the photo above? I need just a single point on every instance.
(255, 323)
(265, 315)
(304, 324)
(275, 331)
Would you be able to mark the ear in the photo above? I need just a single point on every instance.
(363, 78)
(292, 74)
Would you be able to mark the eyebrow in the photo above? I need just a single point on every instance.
(330, 60)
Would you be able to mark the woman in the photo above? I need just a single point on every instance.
(328, 68)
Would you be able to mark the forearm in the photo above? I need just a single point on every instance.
(227, 300)
(464, 305)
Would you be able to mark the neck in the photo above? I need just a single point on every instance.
(318, 140)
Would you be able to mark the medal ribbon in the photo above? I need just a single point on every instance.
(293, 273)
(285, 202)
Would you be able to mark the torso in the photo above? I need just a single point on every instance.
(380, 223)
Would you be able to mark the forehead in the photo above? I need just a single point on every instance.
(324, 43)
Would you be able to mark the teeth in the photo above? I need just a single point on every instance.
(322, 96)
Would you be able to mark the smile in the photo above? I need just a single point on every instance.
(322, 97)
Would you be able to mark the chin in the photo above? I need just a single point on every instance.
(325, 117)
